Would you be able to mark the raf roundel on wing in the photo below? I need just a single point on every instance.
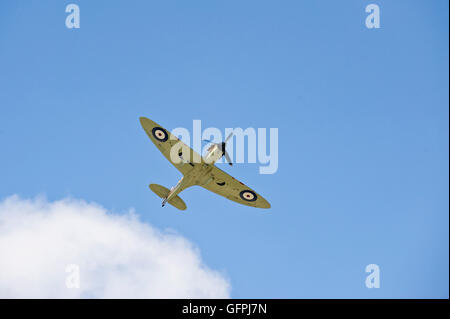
(248, 196)
(160, 134)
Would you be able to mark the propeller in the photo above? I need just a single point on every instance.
(222, 147)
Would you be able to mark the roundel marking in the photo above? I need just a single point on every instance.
(248, 195)
(160, 134)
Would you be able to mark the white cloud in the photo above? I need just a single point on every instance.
(118, 255)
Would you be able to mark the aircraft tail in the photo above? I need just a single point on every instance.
(163, 192)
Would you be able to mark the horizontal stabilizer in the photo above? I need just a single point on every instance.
(163, 192)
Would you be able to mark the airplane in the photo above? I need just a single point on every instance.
(201, 172)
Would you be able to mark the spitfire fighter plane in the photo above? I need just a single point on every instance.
(197, 170)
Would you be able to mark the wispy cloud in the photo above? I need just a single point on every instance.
(118, 255)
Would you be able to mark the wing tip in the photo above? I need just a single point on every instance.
(143, 120)
(266, 205)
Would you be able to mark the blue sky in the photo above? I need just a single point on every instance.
(362, 117)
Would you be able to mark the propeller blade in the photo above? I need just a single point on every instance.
(231, 134)
(228, 137)
(228, 158)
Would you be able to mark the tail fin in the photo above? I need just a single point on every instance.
(163, 192)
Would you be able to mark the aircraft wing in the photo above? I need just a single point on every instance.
(227, 186)
(182, 156)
